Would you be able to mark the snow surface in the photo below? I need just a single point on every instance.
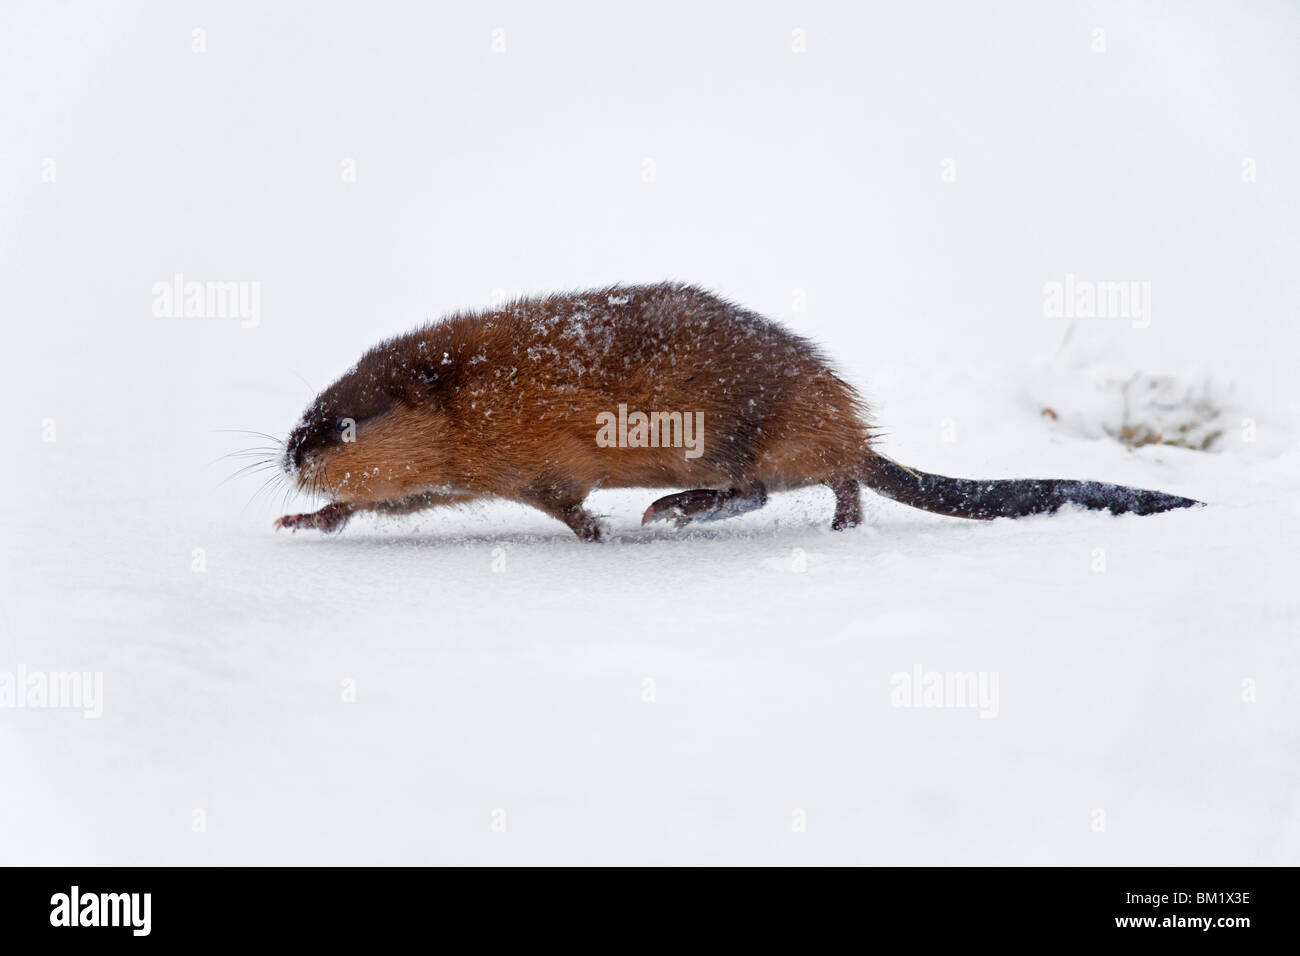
(1147, 712)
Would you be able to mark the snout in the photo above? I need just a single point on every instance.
(299, 463)
(303, 468)
(296, 454)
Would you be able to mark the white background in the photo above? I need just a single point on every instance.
(1120, 690)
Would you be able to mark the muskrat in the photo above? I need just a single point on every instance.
(530, 401)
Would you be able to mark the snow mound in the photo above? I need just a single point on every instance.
(1090, 390)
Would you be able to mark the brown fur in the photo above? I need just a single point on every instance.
(505, 403)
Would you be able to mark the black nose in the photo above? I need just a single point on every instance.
(296, 451)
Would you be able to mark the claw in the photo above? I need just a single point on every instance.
(329, 519)
(294, 522)
(656, 513)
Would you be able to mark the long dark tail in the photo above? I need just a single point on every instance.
(1008, 498)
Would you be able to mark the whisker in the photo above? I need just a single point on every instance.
(287, 496)
(254, 468)
(266, 484)
(248, 453)
(257, 434)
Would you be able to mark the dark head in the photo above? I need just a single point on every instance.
(380, 432)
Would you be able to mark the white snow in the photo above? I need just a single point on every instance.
(667, 697)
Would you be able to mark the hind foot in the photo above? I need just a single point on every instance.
(705, 504)
(848, 503)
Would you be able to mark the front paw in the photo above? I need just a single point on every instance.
(329, 519)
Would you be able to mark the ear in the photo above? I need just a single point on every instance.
(425, 382)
